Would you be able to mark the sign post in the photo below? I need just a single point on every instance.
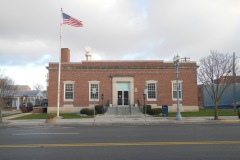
(94, 91)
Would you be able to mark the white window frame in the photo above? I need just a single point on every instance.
(175, 90)
(90, 90)
(64, 95)
(155, 83)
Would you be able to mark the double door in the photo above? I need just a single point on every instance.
(123, 98)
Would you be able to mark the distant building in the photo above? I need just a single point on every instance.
(226, 101)
(32, 96)
(120, 84)
(224, 79)
(23, 87)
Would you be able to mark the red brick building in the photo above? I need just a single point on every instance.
(122, 83)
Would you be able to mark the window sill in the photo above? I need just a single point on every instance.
(68, 100)
(176, 100)
(151, 100)
(92, 100)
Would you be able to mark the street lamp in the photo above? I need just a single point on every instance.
(176, 60)
(144, 98)
(102, 96)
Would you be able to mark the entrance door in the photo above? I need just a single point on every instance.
(123, 98)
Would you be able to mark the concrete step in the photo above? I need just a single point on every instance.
(124, 111)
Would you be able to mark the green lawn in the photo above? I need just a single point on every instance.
(202, 112)
(206, 112)
(43, 116)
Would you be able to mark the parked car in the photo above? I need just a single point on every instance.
(26, 107)
(237, 104)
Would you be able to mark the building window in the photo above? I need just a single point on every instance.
(174, 90)
(151, 90)
(68, 91)
(94, 90)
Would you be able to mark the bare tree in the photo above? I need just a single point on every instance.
(7, 89)
(214, 73)
(38, 87)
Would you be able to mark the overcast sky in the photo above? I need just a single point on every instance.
(115, 30)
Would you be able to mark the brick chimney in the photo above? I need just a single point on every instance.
(65, 55)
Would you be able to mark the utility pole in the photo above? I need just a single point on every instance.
(234, 82)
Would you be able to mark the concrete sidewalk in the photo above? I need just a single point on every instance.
(118, 120)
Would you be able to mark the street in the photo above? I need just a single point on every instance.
(119, 142)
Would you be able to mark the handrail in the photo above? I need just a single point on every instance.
(106, 108)
(140, 106)
(117, 110)
(130, 109)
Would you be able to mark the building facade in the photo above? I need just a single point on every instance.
(227, 99)
(120, 83)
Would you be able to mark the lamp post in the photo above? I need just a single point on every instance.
(144, 108)
(176, 60)
(144, 98)
(102, 96)
(94, 92)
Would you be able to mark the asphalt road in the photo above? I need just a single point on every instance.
(153, 142)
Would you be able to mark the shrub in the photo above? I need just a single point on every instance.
(148, 108)
(90, 112)
(87, 111)
(51, 115)
(155, 111)
(99, 109)
(84, 111)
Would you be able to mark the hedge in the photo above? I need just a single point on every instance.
(90, 112)
(148, 108)
(84, 111)
(99, 109)
(155, 111)
(87, 111)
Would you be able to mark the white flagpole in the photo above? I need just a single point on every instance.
(59, 66)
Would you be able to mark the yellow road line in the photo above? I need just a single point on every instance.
(230, 121)
(119, 144)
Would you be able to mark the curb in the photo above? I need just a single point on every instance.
(108, 121)
(230, 121)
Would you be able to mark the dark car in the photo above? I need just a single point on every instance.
(237, 105)
(26, 107)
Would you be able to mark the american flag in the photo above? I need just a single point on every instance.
(71, 21)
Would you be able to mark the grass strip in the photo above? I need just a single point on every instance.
(43, 116)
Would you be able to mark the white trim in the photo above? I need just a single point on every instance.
(93, 82)
(151, 81)
(116, 80)
(155, 82)
(68, 82)
(89, 90)
(180, 83)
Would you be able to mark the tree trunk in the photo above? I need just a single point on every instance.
(0, 115)
(216, 110)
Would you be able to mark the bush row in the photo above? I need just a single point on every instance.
(87, 111)
(148, 108)
(154, 111)
(98, 110)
